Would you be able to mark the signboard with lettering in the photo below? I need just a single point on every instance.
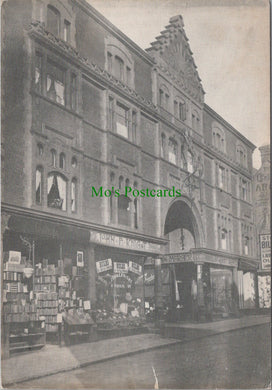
(123, 242)
(134, 267)
(121, 268)
(265, 244)
(103, 265)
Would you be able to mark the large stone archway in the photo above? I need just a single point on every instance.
(182, 213)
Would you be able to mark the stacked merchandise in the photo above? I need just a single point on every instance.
(45, 289)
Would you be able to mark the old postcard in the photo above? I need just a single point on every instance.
(135, 208)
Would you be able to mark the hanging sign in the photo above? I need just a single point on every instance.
(134, 267)
(103, 265)
(265, 243)
(120, 267)
(80, 260)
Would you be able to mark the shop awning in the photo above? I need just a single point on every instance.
(48, 229)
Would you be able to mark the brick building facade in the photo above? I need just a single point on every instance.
(83, 107)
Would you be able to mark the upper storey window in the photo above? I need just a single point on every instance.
(119, 61)
(241, 156)
(173, 151)
(164, 97)
(55, 83)
(195, 121)
(53, 20)
(67, 31)
(218, 139)
(122, 120)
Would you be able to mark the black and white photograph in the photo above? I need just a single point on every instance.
(135, 194)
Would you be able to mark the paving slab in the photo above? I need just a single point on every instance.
(52, 359)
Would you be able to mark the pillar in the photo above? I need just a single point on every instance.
(90, 255)
(158, 288)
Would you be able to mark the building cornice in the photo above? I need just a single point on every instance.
(219, 118)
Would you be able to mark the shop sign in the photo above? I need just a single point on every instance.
(14, 257)
(177, 258)
(134, 267)
(121, 268)
(123, 242)
(265, 242)
(103, 265)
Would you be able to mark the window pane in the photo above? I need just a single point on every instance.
(57, 192)
(190, 162)
(121, 121)
(38, 186)
(55, 83)
(66, 32)
(38, 72)
(73, 195)
(73, 91)
(124, 210)
(53, 20)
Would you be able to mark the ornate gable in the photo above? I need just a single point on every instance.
(173, 55)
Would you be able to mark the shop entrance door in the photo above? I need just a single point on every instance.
(221, 281)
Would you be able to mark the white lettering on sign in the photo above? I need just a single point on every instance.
(134, 267)
(123, 242)
(120, 268)
(265, 243)
(103, 265)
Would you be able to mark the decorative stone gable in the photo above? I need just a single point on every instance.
(173, 56)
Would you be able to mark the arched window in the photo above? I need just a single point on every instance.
(62, 161)
(40, 149)
(53, 158)
(56, 191)
(53, 20)
(190, 162)
(172, 151)
(74, 162)
(163, 145)
(73, 195)
(38, 186)
(124, 210)
(127, 182)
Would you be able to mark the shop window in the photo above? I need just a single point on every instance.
(73, 93)
(163, 145)
(38, 72)
(67, 31)
(38, 185)
(172, 156)
(122, 120)
(53, 20)
(74, 162)
(124, 210)
(53, 158)
(190, 166)
(224, 239)
(40, 149)
(56, 191)
(73, 195)
(62, 161)
(55, 85)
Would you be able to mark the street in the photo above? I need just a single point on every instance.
(239, 359)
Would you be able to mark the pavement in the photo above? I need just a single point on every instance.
(53, 359)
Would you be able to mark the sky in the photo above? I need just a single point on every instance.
(230, 44)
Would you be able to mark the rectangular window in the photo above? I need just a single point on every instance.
(66, 31)
(38, 72)
(53, 20)
(122, 120)
(73, 92)
(119, 68)
(111, 113)
(134, 125)
(55, 83)
(176, 108)
(161, 97)
(172, 152)
(166, 102)
(109, 60)
(244, 190)
(222, 177)
(128, 75)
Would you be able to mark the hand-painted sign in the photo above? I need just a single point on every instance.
(103, 265)
(265, 243)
